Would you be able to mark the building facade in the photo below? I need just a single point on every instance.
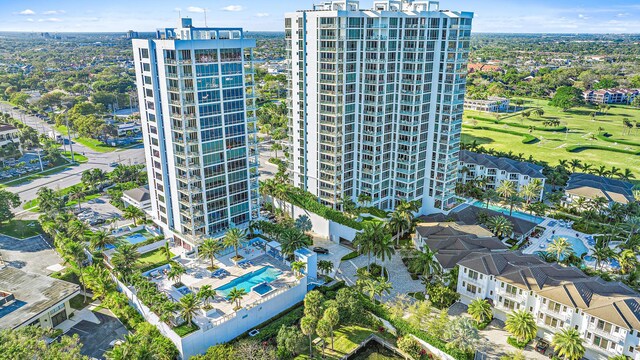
(494, 170)
(611, 96)
(376, 99)
(492, 104)
(606, 314)
(197, 106)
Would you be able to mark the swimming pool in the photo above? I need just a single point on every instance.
(263, 289)
(577, 245)
(515, 213)
(248, 281)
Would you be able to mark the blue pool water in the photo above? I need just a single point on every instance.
(515, 213)
(135, 238)
(247, 281)
(576, 244)
(263, 288)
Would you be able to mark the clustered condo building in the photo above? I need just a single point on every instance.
(376, 99)
(197, 105)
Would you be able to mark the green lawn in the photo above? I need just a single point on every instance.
(77, 302)
(79, 158)
(152, 260)
(346, 339)
(553, 146)
(93, 144)
(21, 229)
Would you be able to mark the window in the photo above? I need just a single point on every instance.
(553, 322)
(510, 304)
(472, 289)
(602, 342)
(604, 326)
(512, 289)
(473, 274)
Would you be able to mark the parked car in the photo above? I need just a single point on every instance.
(113, 164)
(320, 250)
(542, 346)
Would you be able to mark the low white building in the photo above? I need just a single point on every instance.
(9, 134)
(492, 104)
(497, 169)
(607, 314)
(33, 299)
(591, 187)
(138, 197)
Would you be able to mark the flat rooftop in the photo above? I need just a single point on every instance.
(33, 293)
(279, 279)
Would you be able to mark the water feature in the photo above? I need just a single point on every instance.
(515, 213)
(248, 281)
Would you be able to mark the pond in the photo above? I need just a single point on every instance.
(373, 350)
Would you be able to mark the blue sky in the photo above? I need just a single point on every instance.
(519, 16)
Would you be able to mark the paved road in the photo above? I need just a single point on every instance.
(71, 175)
(95, 337)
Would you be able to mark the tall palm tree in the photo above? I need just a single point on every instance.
(500, 226)
(189, 305)
(133, 213)
(175, 273)
(513, 200)
(568, 344)
(236, 295)
(560, 247)
(99, 281)
(234, 237)
(522, 325)
(382, 286)
(101, 240)
(75, 256)
(480, 310)
(506, 189)
(627, 175)
(124, 259)
(308, 325)
(575, 164)
(384, 249)
(292, 240)
(627, 259)
(77, 194)
(297, 267)
(602, 253)
(206, 293)
(490, 196)
(425, 263)
(209, 249)
(397, 224)
(365, 241)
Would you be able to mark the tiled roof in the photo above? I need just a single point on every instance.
(502, 163)
(613, 302)
(592, 186)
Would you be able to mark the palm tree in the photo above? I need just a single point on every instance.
(384, 249)
(398, 223)
(209, 249)
(101, 240)
(513, 200)
(480, 310)
(490, 196)
(175, 273)
(560, 247)
(425, 263)
(500, 226)
(133, 213)
(325, 266)
(206, 293)
(627, 259)
(297, 267)
(568, 344)
(292, 240)
(99, 281)
(234, 237)
(74, 255)
(506, 189)
(627, 175)
(522, 325)
(189, 305)
(166, 251)
(236, 295)
(382, 286)
(575, 164)
(365, 241)
(124, 259)
(602, 254)
(364, 199)
(77, 194)
(308, 327)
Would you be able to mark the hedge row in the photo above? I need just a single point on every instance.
(309, 202)
(528, 138)
(606, 138)
(537, 128)
(578, 148)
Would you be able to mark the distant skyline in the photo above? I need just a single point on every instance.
(504, 16)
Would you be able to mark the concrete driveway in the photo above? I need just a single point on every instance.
(336, 252)
(96, 331)
(31, 255)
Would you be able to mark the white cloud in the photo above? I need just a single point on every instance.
(30, 20)
(52, 19)
(53, 12)
(584, 17)
(195, 9)
(262, 14)
(233, 8)
(27, 12)
(623, 15)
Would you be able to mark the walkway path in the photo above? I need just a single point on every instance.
(398, 275)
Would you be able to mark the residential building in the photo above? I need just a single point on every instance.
(482, 67)
(591, 187)
(494, 170)
(197, 107)
(468, 214)
(376, 98)
(9, 134)
(611, 96)
(138, 197)
(492, 104)
(452, 242)
(33, 299)
(606, 314)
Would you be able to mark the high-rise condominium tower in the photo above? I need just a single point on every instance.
(376, 100)
(197, 105)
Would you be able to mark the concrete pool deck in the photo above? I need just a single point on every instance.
(555, 228)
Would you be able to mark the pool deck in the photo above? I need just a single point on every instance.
(557, 228)
(198, 275)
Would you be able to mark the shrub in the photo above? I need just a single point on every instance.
(269, 329)
(579, 148)
(528, 138)
(349, 256)
(515, 343)
(607, 138)
(309, 202)
(410, 346)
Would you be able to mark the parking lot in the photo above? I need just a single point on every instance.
(97, 335)
(28, 163)
(31, 255)
(98, 213)
(336, 251)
